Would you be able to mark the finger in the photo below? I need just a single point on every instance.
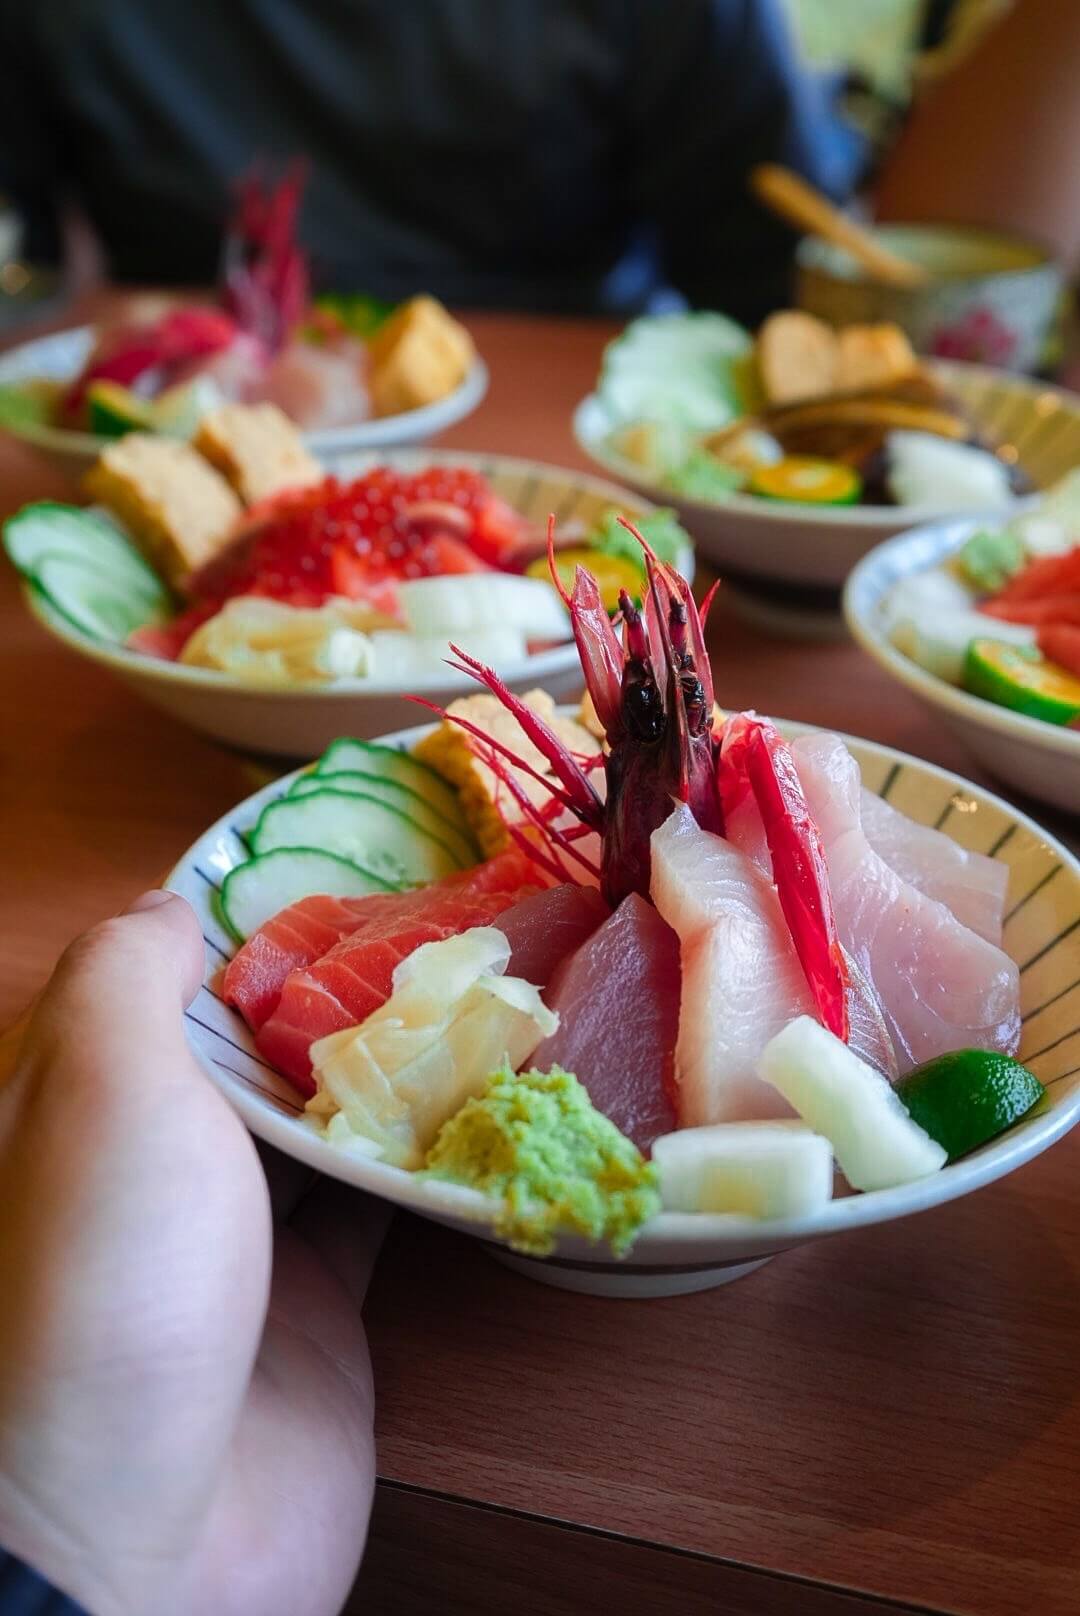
(111, 1013)
(177, 919)
(346, 1228)
(302, 1470)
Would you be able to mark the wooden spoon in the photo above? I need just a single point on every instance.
(797, 202)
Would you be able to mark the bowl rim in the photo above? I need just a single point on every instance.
(377, 430)
(873, 517)
(140, 664)
(700, 1233)
(863, 580)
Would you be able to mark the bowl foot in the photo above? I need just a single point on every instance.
(617, 1280)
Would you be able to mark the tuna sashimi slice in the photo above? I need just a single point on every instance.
(741, 980)
(546, 928)
(342, 987)
(970, 884)
(618, 1000)
(303, 932)
(941, 985)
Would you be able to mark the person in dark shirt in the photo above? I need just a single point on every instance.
(559, 155)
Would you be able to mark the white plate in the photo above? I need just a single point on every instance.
(301, 721)
(770, 542)
(680, 1252)
(61, 357)
(1042, 760)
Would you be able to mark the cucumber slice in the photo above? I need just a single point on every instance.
(256, 891)
(387, 763)
(400, 797)
(88, 599)
(875, 1141)
(48, 528)
(379, 838)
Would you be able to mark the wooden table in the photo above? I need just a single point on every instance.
(882, 1421)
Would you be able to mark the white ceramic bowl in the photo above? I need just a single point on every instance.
(1042, 760)
(763, 543)
(61, 356)
(302, 720)
(679, 1252)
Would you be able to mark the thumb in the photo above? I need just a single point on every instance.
(115, 999)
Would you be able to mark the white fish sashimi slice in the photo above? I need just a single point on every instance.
(970, 884)
(741, 980)
(941, 985)
(868, 1033)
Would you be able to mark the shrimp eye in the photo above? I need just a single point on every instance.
(643, 712)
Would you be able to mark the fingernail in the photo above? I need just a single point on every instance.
(149, 900)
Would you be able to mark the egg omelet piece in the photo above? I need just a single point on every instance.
(487, 805)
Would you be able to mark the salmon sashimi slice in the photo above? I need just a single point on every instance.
(618, 1003)
(545, 929)
(305, 931)
(941, 986)
(344, 986)
(741, 978)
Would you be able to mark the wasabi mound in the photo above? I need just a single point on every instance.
(536, 1142)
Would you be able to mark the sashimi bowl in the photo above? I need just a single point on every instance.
(803, 552)
(1037, 757)
(677, 1252)
(59, 357)
(527, 638)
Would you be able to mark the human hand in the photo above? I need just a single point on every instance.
(185, 1427)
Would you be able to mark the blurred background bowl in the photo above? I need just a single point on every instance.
(759, 544)
(992, 298)
(61, 356)
(1040, 759)
(297, 721)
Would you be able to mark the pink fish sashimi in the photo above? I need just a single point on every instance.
(305, 931)
(317, 387)
(344, 986)
(972, 885)
(941, 986)
(741, 978)
(618, 1002)
(868, 1033)
(545, 929)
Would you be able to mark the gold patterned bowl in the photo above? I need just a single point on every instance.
(298, 720)
(679, 1252)
(767, 542)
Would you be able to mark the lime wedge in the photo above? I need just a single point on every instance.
(1020, 677)
(966, 1098)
